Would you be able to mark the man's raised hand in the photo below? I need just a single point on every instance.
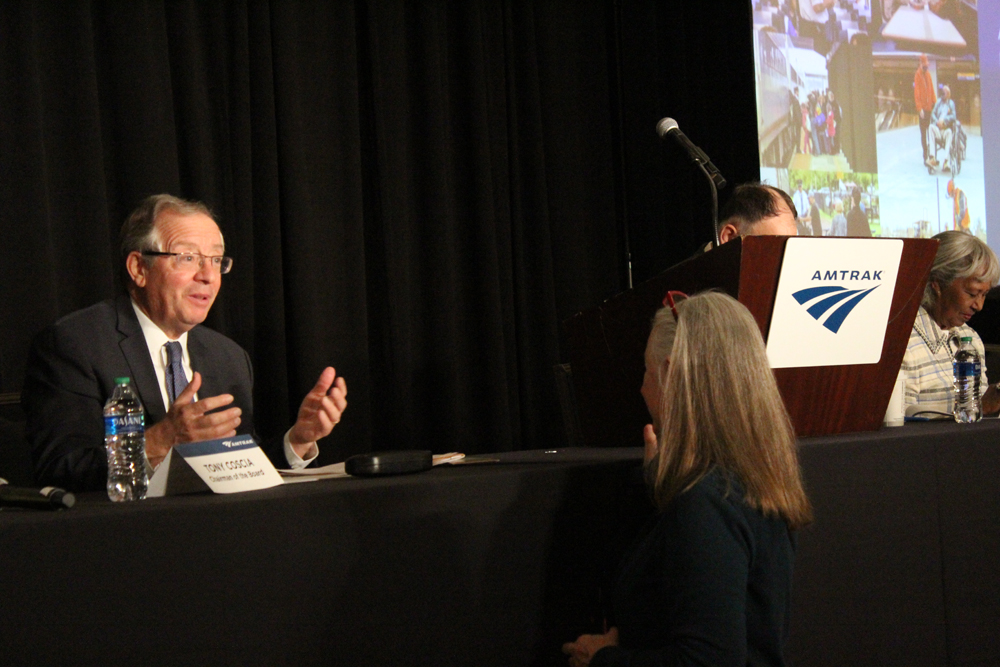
(320, 411)
(188, 421)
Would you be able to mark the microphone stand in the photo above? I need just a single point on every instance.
(715, 204)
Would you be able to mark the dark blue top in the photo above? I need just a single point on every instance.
(708, 584)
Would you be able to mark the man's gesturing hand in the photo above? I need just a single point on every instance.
(187, 421)
(320, 410)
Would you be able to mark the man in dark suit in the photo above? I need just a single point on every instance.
(194, 383)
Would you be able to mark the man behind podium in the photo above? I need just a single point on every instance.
(755, 209)
(172, 265)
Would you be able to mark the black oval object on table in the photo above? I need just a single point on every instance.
(374, 464)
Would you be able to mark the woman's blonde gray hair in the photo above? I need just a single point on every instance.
(960, 255)
(720, 408)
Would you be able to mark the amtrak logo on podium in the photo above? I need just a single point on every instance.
(833, 301)
(831, 310)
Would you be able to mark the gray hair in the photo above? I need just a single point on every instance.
(960, 255)
(718, 361)
(139, 232)
(661, 338)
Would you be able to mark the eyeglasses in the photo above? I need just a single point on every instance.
(194, 261)
(673, 298)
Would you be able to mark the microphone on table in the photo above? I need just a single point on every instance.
(667, 128)
(47, 498)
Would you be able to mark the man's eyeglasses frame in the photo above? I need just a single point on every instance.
(219, 262)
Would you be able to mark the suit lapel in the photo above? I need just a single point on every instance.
(199, 353)
(136, 352)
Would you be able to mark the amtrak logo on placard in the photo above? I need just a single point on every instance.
(832, 310)
(833, 301)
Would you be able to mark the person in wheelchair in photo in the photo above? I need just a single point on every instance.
(941, 131)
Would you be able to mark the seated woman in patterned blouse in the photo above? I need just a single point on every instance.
(963, 272)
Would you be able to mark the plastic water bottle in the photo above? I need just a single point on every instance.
(125, 441)
(968, 374)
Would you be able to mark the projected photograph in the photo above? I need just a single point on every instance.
(831, 203)
(872, 109)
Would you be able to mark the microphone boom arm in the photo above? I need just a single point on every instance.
(715, 203)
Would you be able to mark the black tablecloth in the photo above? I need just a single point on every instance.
(490, 564)
(901, 564)
(497, 564)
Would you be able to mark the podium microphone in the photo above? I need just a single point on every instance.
(667, 127)
(48, 498)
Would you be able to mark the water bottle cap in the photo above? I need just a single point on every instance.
(123, 380)
(966, 339)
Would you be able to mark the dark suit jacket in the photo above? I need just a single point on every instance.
(71, 373)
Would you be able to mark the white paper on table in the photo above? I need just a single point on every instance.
(336, 470)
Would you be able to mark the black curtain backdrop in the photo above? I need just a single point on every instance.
(417, 193)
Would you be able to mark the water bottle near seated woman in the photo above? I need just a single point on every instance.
(968, 368)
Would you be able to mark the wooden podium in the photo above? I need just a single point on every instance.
(607, 343)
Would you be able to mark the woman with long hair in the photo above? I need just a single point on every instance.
(709, 581)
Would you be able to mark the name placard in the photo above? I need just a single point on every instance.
(223, 465)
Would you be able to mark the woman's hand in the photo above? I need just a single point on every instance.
(649, 437)
(583, 649)
(991, 399)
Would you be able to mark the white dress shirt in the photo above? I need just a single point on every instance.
(157, 341)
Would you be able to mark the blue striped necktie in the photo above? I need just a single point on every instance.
(176, 380)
